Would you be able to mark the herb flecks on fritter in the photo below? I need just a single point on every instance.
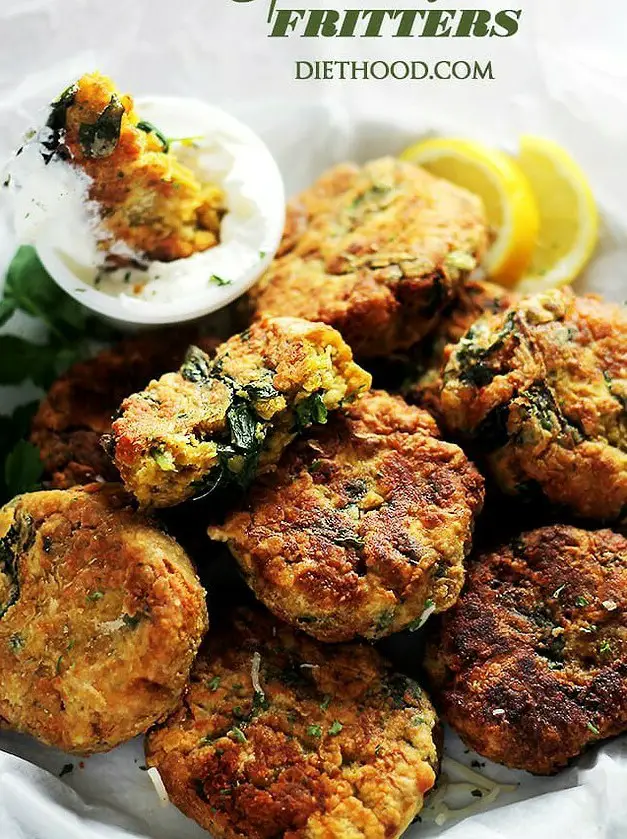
(363, 528)
(79, 407)
(476, 298)
(281, 736)
(222, 421)
(377, 252)
(147, 198)
(101, 615)
(542, 389)
(531, 665)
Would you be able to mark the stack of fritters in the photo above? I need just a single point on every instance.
(350, 514)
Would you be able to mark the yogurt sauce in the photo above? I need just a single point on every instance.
(52, 212)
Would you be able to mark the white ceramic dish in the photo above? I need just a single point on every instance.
(180, 291)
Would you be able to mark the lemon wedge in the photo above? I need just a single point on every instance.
(509, 201)
(569, 219)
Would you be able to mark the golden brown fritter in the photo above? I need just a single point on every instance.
(221, 421)
(101, 615)
(377, 252)
(531, 665)
(280, 736)
(542, 389)
(476, 298)
(147, 198)
(80, 405)
(364, 526)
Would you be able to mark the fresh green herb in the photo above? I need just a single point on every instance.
(197, 365)
(214, 684)
(326, 702)
(605, 647)
(132, 621)
(163, 459)
(95, 595)
(310, 411)
(418, 720)
(315, 466)
(238, 734)
(100, 138)
(262, 254)
(314, 731)
(149, 128)
(59, 665)
(18, 539)
(580, 602)
(384, 621)
(220, 281)
(58, 109)
(336, 727)
(66, 769)
(593, 728)
(16, 643)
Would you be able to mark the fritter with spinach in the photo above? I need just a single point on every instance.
(221, 421)
(79, 407)
(530, 667)
(279, 736)
(363, 528)
(378, 252)
(101, 615)
(148, 200)
(542, 390)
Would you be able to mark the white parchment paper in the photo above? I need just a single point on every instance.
(564, 76)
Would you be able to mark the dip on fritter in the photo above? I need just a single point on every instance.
(147, 199)
(281, 736)
(101, 615)
(221, 421)
(542, 390)
(377, 252)
(79, 407)
(364, 526)
(531, 665)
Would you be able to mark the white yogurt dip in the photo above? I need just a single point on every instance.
(52, 212)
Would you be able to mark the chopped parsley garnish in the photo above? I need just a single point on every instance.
(605, 647)
(580, 602)
(314, 731)
(238, 734)
(326, 702)
(95, 595)
(593, 728)
(310, 411)
(336, 727)
(100, 138)
(219, 281)
(149, 128)
(163, 459)
(16, 643)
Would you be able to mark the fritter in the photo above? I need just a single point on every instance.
(147, 198)
(377, 252)
(476, 298)
(279, 736)
(101, 615)
(530, 667)
(364, 526)
(542, 390)
(221, 421)
(80, 405)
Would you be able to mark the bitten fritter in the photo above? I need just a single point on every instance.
(542, 390)
(476, 298)
(80, 405)
(101, 615)
(279, 736)
(377, 252)
(364, 526)
(147, 198)
(531, 665)
(221, 421)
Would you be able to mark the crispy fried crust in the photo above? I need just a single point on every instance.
(147, 198)
(80, 405)
(364, 526)
(531, 665)
(101, 615)
(542, 388)
(476, 298)
(335, 745)
(222, 421)
(376, 252)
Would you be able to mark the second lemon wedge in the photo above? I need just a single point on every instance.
(569, 219)
(510, 204)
